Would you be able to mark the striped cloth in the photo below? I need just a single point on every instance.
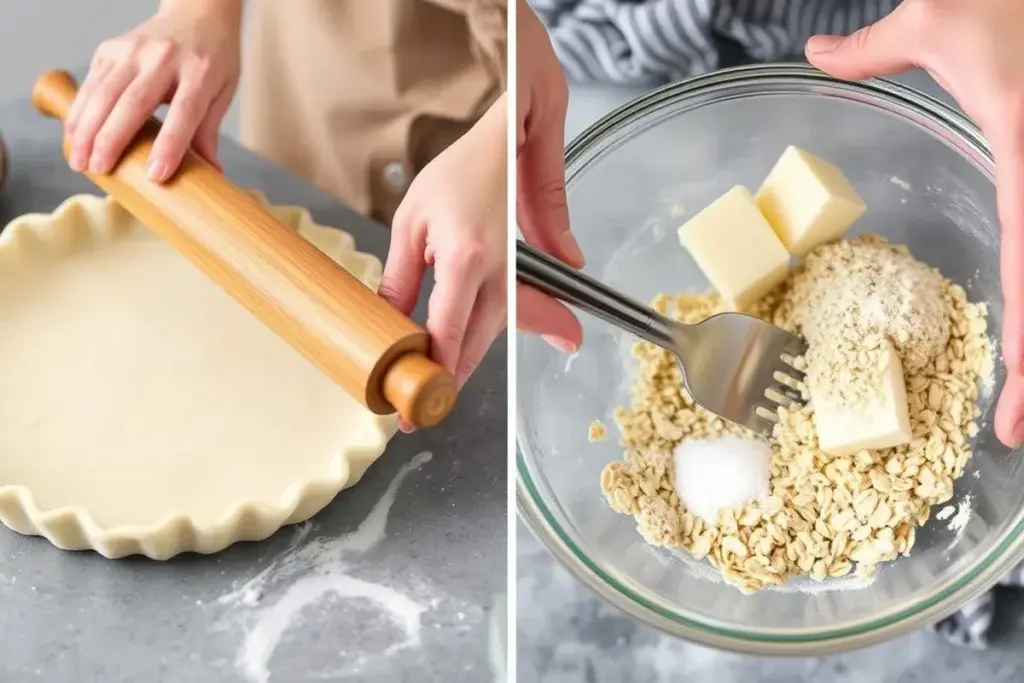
(657, 41)
(651, 42)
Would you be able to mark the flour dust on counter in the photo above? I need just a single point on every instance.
(312, 573)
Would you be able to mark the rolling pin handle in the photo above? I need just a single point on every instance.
(420, 390)
(54, 93)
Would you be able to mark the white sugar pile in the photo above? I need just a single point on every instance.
(726, 472)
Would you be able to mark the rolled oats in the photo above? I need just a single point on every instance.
(825, 517)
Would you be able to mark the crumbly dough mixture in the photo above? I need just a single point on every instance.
(851, 295)
(826, 516)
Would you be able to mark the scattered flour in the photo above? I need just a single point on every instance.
(957, 522)
(726, 472)
(312, 572)
(899, 182)
(962, 517)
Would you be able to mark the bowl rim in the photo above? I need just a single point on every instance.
(983, 573)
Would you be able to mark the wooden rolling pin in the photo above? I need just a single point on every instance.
(355, 337)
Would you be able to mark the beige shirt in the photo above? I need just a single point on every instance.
(357, 96)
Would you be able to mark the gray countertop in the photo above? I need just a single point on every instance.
(393, 581)
(567, 635)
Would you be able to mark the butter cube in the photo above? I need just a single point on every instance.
(808, 201)
(736, 248)
(881, 420)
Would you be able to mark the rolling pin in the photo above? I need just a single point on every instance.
(361, 342)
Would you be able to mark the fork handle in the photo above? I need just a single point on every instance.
(556, 279)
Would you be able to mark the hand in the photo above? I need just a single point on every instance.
(186, 55)
(454, 217)
(972, 49)
(540, 166)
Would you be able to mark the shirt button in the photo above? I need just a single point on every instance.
(396, 175)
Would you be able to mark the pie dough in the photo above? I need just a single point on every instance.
(142, 410)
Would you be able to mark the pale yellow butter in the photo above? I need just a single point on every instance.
(736, 248)
(881, 422)
(808, 201)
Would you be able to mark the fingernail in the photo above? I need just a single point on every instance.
(157, 171)
(572, 250)
(77, 161)
(563, 345)
(820, 44)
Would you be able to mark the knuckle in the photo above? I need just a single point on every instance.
(470, 256)
(919, 15)
(862, 37)
(188, 105)
(133, 98)
(125, 46)
(100, 56)
(106, 93)
(466, 367)
(201, 68)
(550, 192)
(105, 139)
(161, 52)
(451, 335)
(390, 289)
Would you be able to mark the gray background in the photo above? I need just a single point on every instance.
(566, 635)
(36, 35)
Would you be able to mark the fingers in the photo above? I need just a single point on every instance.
(540, 314)
(489, 318)
(133, 108)
(129, 79)
(189, 107)
(95, 110)
(1008, 150)
(403, 271)
(208, 134)
(542, 210)
(457, 282)
(1009, 420)
(884, 48)
(100, 69)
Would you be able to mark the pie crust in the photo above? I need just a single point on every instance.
(142, 410)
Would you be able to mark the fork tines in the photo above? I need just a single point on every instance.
(790, 383)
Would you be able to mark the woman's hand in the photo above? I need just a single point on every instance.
(973, 49)
(454, 218)
(542, 98)
(186, 55)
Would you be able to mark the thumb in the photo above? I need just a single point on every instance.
(542, 209)
(1009, 420)
(880, 49)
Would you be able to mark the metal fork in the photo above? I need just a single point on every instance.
(735, 365)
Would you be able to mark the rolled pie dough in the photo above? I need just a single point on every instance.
(144, 411)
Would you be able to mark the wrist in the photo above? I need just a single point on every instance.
(495, 119)
(222, 9)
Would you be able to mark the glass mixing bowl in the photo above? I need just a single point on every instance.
(926, 175)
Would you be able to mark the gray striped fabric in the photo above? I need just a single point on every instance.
(657, 41)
